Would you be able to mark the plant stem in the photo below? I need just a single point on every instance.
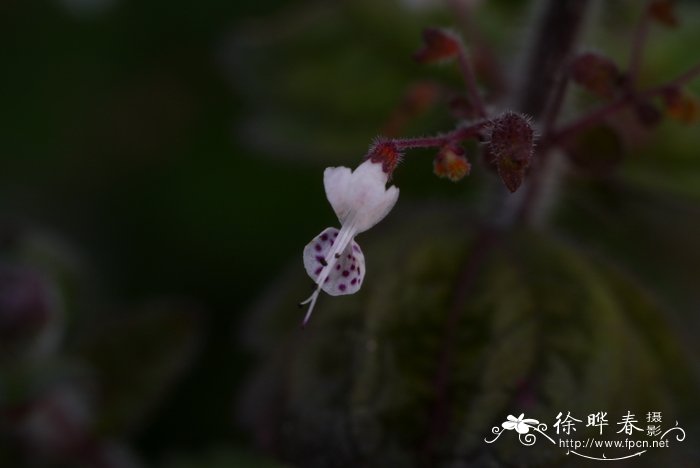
(638, 43)
(681, 80)
(470, 81)
(487, 238)
(459, 134)
(601, 113)
(556, 102)
(544, 91)
(464, 11)
(556, 36)
(586, 121)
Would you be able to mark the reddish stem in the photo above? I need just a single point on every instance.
(464, 11)
(638, 43)
(598, 115)
(487, 238)
(470, 81)
(556, 101)
(459, 134)
(588, 120)
(680, 80)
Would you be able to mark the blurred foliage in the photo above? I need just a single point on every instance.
(548, 328)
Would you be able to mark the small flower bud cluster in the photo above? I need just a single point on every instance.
(663, 11)
(451, 163)
(510, 148)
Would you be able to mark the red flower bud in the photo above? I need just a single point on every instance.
(681, 106)
(438, 45)
(417, 100)
(511, 148)
(451, 163)
(663, 11)
(596, 73)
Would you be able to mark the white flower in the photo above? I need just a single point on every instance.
(522, 426)
(360, 199)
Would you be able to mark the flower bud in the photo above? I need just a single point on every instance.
(439, 45)
(596, 73)
(417, 100)
(663, 11)
(511, 147)
(385, 152)
(451, 163)
(681, 106)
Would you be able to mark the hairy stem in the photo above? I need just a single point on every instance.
(459, 134)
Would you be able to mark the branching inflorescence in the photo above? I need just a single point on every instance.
(506, 140)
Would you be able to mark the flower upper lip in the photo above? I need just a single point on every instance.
(359, 196)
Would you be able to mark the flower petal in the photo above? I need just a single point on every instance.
(337, 181)
(346, 271)
(361, 196)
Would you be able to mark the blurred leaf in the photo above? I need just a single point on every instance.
(137, 359)
(545, 329)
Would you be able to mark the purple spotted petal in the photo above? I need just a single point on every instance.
(345, 272)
